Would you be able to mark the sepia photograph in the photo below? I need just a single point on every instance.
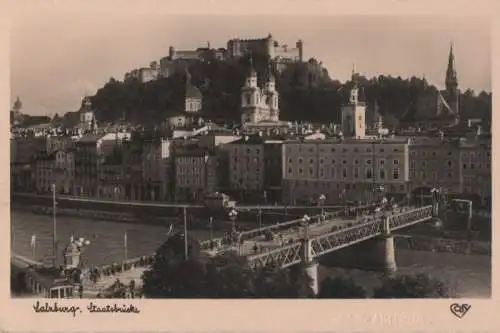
(250, 157)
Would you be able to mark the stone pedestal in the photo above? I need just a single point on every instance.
(72, 256)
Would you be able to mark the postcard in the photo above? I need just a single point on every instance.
(282, 166)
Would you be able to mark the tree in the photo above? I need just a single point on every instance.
(340, 288)
(412, 286)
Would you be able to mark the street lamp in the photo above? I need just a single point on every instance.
(321, 202)
(435, 193)
(305, 223)
(233, 214)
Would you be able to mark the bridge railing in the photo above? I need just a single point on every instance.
(316, 219)
(290, 254)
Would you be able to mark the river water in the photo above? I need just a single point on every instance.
(469, 275)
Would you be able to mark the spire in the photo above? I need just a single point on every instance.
(354, 90)
(451, 74)
(252, 69)
(17, 104)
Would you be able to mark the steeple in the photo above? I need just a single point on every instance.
(451, 81)
(353, 99)
(253, 73)
(17, 105)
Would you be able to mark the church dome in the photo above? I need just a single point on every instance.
(193, 92)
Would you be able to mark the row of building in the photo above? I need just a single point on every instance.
(285, 168)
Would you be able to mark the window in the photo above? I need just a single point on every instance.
(333, 150)
(382, 173)
(332, 172)
(472, 166)
(413, 154)
(368, 162)
(356, 162)
(381, 150)
(344, 150)
(369, 173)
(300, 171)
(382, 162)
(465, 166)
(396, 150)
(321, 161)
(395, 162)
(395, 173)
(311, 161)
(311, 150)
(289, 160)
(355, 150)
(450, 175)
(333, 161)
(368, 150)
(450, 163)
(449, 153)
(321, 172)
(344, 173)
(290, 171)
(300, 160)
(423, 164)
(311, 171)
(356, 172)
(344, 162)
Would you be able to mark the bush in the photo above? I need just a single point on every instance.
(412, 286)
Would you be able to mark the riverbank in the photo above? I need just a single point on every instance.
(433, 244)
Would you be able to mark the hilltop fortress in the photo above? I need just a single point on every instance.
(280, 54)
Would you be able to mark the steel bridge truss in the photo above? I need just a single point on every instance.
(292, 254)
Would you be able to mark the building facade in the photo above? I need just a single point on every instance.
(195, 175)
(344, 169)
(258, 105)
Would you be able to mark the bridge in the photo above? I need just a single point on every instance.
(323, 237)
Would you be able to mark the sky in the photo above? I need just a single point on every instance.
(59, 56)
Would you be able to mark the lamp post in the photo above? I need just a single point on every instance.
(54, 226)
(233, 214)
(435, 193)
(260, 218)
(305, 223)
(321, 202)
(210, 221)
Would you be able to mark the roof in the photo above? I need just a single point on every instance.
(392, 140)
(89, 138)
(193, 92)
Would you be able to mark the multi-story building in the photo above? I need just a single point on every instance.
(87, 162)
(65, 164)
(195, 175)
(132, 160)
(434, 161)
(23, 152)
(111, 177)
(246, 167)
(45, 174)
(344, 169)
(475, 164)
(156, 165)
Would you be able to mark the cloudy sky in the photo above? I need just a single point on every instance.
(65, 53)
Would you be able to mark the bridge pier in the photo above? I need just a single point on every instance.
(384, 255)
(311, 269)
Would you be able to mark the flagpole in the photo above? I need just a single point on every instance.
(54, 224)
(125, 247)
(185, 234)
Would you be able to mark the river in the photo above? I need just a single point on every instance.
(470, 276)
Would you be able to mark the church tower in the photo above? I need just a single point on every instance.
(272, 97)
(251, 98)
(353, 113)
(451, 82)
